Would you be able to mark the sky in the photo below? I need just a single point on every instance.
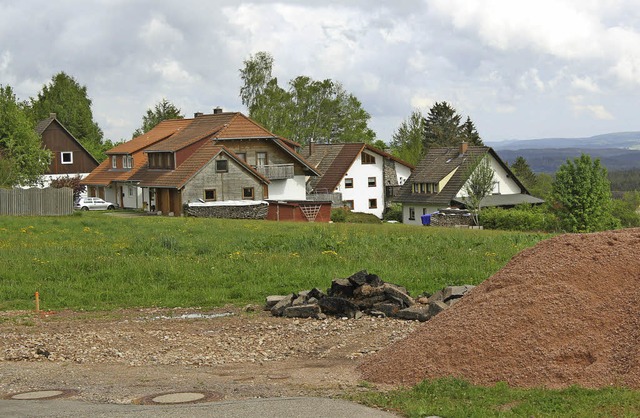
(519, 69)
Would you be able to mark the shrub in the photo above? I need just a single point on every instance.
(520, 218)
(393, 213)
(339, 215)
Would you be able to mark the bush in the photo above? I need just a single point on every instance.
(520, 218)
(339, 215)
(393, 213)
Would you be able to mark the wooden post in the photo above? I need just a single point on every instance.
(37, 302)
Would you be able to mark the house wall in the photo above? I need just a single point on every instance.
(57, 140)
(419, 210)
(290, 189)
(361, 192)
(228, 186)
(275, 155)
(504, 185)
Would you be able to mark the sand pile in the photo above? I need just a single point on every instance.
(564, 312)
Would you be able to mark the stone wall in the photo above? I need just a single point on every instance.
(258, 211)
(451, 220)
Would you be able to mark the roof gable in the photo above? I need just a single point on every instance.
(42, 126)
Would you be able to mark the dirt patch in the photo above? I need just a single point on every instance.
(122, 356)
(564, 312)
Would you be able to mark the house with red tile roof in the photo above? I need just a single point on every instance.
(363, 177)
(224, 156)
(438, 183)
(68, 156)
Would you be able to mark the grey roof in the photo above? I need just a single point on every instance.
(505, 200)
(440, 162)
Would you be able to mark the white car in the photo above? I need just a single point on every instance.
(94, 203)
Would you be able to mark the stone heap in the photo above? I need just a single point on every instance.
(364, 293)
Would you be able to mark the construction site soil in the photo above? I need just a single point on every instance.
(565, 312)
(561, 313)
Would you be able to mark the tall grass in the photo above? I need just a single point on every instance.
(100, 261)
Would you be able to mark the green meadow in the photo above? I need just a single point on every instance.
(102, 261)
(106, 261)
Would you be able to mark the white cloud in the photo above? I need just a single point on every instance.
(585, 84)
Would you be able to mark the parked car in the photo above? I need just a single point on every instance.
(94, 203)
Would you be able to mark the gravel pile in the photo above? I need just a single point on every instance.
(564, 312)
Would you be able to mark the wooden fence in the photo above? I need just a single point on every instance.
(36, 202)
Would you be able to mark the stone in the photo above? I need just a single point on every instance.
(359, 278)
(272, 300)
(366, 290)
(374, 280)
(316, 293)
(436, 307)
(341, 288)
(414, 313)
(365, 303)
(439, 295)
(388, 309)
(451, 292)
(279, 307)
(398, 293)
(339, 307)
(302, 311)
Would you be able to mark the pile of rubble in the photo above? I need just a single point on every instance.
(364, 293)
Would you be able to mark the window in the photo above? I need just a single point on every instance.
(210, 194)
(373, 203)
(349, 204)
(66, 157)
(367, 159)
(247, 193)
(371, 181)
(412, 213)
(130, 191)
(261, 159)
(127, 161)
(242, 155)
(222, 166)
(348, 183)
(114, 161)
(424, 211)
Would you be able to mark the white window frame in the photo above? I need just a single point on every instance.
(114, 161)
(62, 155)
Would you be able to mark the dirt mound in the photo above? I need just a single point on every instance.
(564, 312)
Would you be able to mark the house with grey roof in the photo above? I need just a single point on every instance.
(438, 182)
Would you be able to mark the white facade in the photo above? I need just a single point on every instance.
(504, 183)
(363, 187)
(289, 189)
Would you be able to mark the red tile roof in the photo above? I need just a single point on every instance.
(161, 131)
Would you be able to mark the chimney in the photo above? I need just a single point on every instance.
(463, 147)
(311, 147)
(53, 115)
(197, 114)
(217, 110)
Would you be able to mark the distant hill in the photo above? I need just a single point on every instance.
(616, 151)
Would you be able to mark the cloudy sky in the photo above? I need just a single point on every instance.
(520, 69)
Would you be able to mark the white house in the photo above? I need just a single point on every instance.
(438, 182)
(364, 176)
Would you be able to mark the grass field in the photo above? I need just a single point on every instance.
(102, 261)
(97, 261)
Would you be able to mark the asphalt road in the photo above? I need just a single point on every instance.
(270, 407)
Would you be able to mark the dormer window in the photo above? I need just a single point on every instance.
(161, 160)
(127, 161)
(114, 161)
(425, 188)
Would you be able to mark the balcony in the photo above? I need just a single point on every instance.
(276, 171)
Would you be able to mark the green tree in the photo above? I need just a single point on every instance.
(523, 172)
(307, 110)
(443, 128)
(65, 97)
(22, 157)
(163, 110)
(479, 184)
(581, 195)
(627, 209)
(407, 141)
(543, 186)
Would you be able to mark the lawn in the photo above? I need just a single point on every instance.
(98, 260)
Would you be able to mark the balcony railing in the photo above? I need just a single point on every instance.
(276, 171)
